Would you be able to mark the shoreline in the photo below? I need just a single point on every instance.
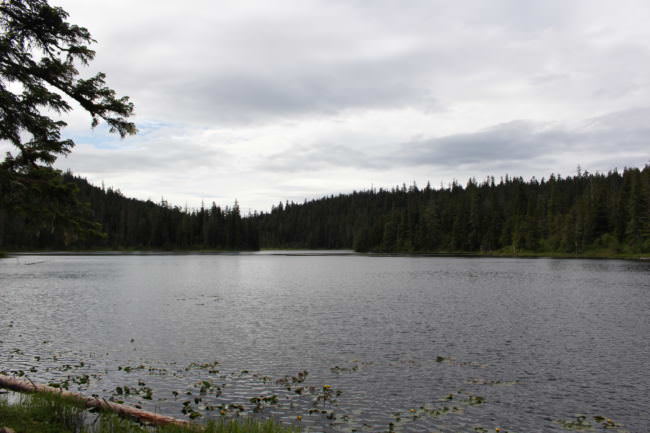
(332, 252)
(524, 255)
(43, 411)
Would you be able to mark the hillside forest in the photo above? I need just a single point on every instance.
(578, 214)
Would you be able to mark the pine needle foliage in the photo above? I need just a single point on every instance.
(40, 52)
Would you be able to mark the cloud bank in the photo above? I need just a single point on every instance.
(265, 101)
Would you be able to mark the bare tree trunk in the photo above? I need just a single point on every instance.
(22, 385)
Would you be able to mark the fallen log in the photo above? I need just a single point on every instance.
(28, 386)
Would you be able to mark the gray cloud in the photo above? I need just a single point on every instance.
(253, 63)
(327, 90)
(499, 146)
(270, 100)
(513, 141)
(258, 66)
(319, 157)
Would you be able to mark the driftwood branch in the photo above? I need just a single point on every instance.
(21, 385)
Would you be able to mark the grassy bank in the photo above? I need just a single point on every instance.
(45, 413)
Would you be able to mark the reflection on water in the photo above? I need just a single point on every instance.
(404, 343)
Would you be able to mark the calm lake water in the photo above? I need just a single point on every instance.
(387, 342)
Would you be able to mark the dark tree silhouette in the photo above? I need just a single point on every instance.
(39, 55)
(573, 215)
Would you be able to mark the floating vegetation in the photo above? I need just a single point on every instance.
(81, 380)
(607, 423)
(206, 386)
(464, 398)
(474, 400)
(452, 361)
(581, 423)
(129, 369)
(210, 366)
(337, 369)
(355, 366)
(260, 401)
(141, 391)
(189, 410)
(298, 378)
(326, 395)
(206, 390)
(205, 397)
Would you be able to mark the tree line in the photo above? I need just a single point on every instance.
(127, 223)
(576, 214)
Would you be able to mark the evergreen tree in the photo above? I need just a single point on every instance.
(571, 215)
(39, 54)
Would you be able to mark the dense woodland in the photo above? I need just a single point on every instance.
(127, 223)
(579, 214)
(586, 212)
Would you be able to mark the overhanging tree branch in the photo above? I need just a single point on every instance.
(39, 51)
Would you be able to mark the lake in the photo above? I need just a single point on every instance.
(406, 344)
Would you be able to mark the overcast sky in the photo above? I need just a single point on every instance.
(263, 101)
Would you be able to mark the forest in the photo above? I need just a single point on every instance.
(571, 215)
(126, 223)
(579, 214)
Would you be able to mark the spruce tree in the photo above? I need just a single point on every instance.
(39, 55)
